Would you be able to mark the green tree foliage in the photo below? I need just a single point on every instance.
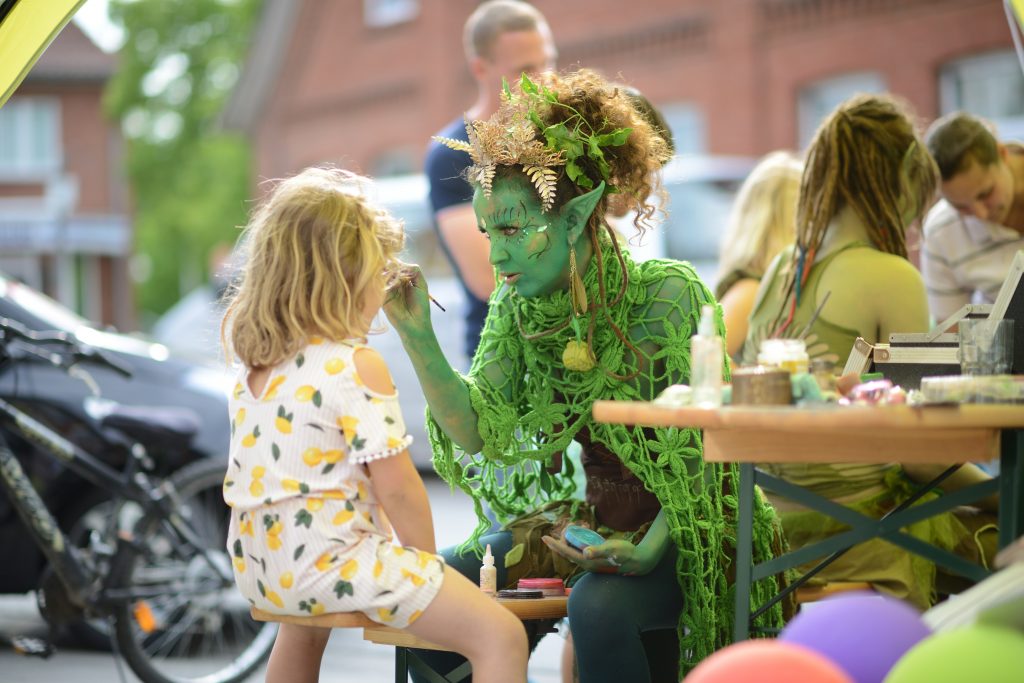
(190, 180)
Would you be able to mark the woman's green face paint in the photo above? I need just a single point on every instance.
(529, 248)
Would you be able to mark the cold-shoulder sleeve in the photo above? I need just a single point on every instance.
(373, 427)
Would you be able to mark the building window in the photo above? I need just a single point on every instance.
(379, 13)
(30, 137)
(818, 99)
(989, 85)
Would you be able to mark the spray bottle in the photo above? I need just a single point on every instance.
(488, 573)
(706, 362)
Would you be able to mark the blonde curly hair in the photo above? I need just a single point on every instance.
(315, 248)
(762, 221)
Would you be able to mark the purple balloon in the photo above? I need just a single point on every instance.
(864, 633)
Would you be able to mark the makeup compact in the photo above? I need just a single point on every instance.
(580, 537)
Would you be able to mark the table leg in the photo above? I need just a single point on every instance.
(1011, 486)
(744, 551)
(401, 665)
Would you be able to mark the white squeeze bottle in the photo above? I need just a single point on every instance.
(488, 574)
(706, 362)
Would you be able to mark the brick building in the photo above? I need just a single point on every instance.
(64, 224)
(364, 83)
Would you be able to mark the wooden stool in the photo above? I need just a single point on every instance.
(551, 608)
(819, 592)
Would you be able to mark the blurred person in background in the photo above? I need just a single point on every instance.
(761, 224)
(502, 39)
(866, 179)
(973, 233)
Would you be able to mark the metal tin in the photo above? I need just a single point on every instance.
(550, 587)
(520, 594)
(761, 386)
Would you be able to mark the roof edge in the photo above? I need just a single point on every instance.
(262, 65)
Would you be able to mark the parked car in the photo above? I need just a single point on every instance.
(701, 191)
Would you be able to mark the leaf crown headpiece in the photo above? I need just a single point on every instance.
(517, 135)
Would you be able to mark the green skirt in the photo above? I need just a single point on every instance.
(965, 531)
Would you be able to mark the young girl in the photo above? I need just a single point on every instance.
(318, 460)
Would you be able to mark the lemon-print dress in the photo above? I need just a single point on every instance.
(307, 535)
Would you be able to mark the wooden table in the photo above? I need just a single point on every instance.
(935, 434)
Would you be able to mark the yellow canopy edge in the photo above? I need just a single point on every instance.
(1018, 10)
(26, 31)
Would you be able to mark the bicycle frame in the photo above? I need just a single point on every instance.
(83, 585)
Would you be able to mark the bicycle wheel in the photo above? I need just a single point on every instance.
(192, 623)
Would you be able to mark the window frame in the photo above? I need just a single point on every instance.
(24, 163)
(385, 13)
(828, 93)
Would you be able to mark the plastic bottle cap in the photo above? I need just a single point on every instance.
(488, 558)
(706, 327)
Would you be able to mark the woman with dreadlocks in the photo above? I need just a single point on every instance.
(866, 179)
(573, 320)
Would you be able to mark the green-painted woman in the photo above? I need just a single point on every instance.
(573, 320)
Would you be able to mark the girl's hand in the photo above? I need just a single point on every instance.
(407, 305)
(610, 557)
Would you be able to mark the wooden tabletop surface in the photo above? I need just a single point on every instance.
(803, 419)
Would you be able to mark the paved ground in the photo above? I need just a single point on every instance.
(349, 659)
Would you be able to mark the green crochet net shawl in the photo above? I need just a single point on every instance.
(530, 407)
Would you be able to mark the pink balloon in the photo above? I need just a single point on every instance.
(767, 661)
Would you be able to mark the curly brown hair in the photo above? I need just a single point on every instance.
(633, 166)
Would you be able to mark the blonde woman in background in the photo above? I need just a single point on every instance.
(762, 223)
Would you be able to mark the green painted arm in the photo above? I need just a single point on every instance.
(408, 309)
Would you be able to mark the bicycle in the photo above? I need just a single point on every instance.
(157, 570)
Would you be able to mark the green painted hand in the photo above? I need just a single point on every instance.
(607, 564)
(407, 304)
(616, 556)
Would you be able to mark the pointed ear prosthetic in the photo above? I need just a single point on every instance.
(577, 211)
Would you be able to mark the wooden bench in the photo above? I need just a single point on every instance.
(550, 608)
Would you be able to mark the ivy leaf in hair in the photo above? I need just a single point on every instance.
(577, 175)
(616, 138)
(559, 138)
(527, 86)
